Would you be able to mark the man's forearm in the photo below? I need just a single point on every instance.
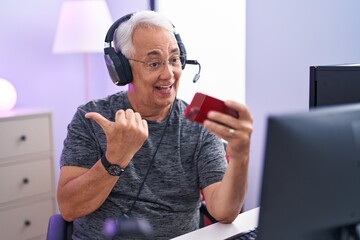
(82, 191)
(228, 196)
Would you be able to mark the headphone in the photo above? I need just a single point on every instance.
(117, 64)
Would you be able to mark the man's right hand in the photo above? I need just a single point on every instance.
(124, 136)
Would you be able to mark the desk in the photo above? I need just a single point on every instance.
(219, 231)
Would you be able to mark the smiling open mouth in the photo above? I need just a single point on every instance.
(164, 88)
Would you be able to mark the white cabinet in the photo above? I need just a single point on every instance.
(27, 182)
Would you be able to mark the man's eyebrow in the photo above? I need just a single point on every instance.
(154, 53)
(175, 50)
(157, 53)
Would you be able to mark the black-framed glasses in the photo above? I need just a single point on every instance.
(153, 66)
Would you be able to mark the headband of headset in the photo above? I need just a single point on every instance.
(117, 64)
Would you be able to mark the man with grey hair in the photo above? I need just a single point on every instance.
(134, 153)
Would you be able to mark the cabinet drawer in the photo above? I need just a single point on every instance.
(24, 180)
(25, 222)
(24, 136)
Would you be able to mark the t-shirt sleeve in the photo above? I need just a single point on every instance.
(212, 162)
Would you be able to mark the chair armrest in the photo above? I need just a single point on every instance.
(205, 212)
(58, 228)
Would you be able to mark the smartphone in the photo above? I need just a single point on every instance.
(201, 104)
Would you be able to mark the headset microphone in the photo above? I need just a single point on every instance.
(125, 226)
(194, 62)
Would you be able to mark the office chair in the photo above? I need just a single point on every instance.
(59, 228)
(205, 217)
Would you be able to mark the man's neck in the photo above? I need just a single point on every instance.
(151, 113)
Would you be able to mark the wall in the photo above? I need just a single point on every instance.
(215, 42)
(284, 38)
(47, 80)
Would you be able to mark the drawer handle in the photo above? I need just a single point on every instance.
(23, 137)
(25, 180)
(27, 223)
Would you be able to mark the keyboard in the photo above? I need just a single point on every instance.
(249, 235)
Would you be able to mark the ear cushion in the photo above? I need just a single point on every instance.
(181, 46)
(118, 67)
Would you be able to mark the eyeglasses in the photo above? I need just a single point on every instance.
(153, 66)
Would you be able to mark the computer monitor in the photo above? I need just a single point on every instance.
(334, 85)
(311, 175)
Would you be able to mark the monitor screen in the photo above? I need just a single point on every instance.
(311, 175)
(334, 85)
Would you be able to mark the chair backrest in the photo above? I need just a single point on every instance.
(59, 228)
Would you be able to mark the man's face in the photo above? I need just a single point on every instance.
(153, 88)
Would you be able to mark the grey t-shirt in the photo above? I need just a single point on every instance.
(188, 159)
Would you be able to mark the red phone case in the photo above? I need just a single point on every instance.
(201, 104)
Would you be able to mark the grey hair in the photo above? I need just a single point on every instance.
(123, 34)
